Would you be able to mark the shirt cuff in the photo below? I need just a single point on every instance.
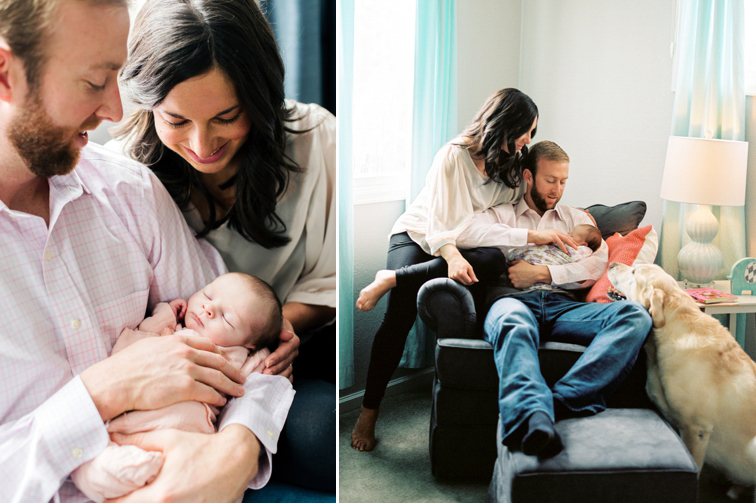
(436, 245)
(71, 430)
(262, 409)
(519, 237)
(558, 275)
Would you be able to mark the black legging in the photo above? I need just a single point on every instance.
(413, 268)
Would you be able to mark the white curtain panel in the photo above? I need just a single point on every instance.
(709, 102)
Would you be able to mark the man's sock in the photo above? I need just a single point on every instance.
(539, 435)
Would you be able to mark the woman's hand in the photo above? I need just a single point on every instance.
(197, 466)
(279, 361)
(548, 236)
(458, 268)
(156, 372)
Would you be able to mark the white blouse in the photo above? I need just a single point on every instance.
(454, 190)
(303, 270)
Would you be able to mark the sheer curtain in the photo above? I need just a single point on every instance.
(434, 122)
(709, 102)
(344, 57)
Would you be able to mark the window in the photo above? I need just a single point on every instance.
(384, 48)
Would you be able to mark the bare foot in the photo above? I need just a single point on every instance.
(363, 434)
(384, 281)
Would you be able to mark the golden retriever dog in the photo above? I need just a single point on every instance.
(698, 376)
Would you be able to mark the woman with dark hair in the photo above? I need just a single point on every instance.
(253, 174)
(477, 170)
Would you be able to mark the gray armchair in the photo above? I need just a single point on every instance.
(464, 416)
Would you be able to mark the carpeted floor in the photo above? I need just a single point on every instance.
(398, 470)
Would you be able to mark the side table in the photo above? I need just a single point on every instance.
(744, 304)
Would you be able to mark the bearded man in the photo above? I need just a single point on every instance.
(89, 240)
(521, 315)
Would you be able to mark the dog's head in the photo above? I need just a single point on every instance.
(647, 284)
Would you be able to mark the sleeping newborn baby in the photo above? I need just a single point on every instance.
(586, 236)
(239, 313)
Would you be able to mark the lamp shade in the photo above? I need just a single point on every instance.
(705, 171)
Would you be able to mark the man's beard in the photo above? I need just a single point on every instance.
(539, 201)
(47, 149)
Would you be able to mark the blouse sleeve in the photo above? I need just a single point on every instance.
(450, 201)
(317, 283)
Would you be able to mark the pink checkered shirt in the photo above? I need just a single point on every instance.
(116, 244)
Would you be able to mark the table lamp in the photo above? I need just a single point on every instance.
(706, 172)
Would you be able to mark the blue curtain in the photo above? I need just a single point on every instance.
(345, 58)
(434, 121)
(306, 35)
(709, 102)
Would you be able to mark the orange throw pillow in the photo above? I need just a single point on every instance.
(622, 249)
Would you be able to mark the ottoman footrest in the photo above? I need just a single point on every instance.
(619, 455)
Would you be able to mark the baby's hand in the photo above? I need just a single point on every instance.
(179, 308)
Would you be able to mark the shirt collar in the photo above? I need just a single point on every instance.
(522, 207)
(69, 186)
(71, 183)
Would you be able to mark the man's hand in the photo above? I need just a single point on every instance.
(197, 466)
(524, 275)
(158, 371)
(458, 268)
(279, 361)
(549, 236)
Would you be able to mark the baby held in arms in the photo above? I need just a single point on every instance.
(240, 314)
(586, 236)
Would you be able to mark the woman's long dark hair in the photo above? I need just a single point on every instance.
(506, 115)
(176, 40)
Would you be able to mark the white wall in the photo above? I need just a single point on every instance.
(488, 52)
(372, 224)
(600, 73)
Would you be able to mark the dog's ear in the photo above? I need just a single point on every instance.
(656, 307)
(645, 294)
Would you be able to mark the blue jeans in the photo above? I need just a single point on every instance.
(613, 333)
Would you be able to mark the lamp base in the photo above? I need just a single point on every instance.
(700, 260)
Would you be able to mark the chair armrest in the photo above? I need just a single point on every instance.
(447, 308)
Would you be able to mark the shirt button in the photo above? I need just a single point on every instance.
(75, 323)
(48, 256)
(77, 452)
(270, 434)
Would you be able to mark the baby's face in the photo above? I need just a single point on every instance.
(223, 312)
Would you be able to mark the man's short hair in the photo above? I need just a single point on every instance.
(25, 26)
(543, 150)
